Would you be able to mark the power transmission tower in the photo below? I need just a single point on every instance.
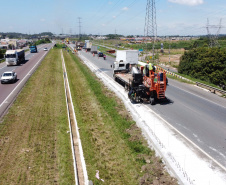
(79, 22)
(150, 28)
(213, 39)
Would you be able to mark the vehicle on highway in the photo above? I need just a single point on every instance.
(45, 49)
(142, 83)
(88, 45)
(8, 77)
(79, 45)
(33, 49)
(14, 57)
(93, 49)
(100, 54)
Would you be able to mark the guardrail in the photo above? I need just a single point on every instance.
(173, 74)
(167, 72)
(211, 89)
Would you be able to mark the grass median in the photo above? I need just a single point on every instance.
(34, 143)
(112, 143)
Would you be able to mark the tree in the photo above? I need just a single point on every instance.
(208, 64)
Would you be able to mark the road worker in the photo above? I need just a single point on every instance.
(146, 69)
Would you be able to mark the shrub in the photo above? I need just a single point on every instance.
(207, 64)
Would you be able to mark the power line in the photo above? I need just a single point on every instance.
(121, 12)
(106, 12)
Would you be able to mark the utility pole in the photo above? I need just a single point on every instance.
(70, 31)
(213, 39)
(150, 28)
(79, 22)
(169, 53)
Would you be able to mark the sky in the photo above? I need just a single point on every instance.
(126, 17)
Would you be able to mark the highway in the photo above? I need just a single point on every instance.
(8, 92)
(199, 115)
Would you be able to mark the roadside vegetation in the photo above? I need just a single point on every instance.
(34, 142)
(2, 53)
(41, 41)
(192, 58)
(112, 143)
(207, 64)
(104, 50)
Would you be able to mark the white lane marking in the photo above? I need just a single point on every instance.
(201, 150)
(24, 78)
(26, 55)
(179, 133)
(199, 96)
(3, 67)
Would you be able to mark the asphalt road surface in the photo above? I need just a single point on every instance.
(196, 113)
(8, 92)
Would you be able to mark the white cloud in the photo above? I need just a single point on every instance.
(188, 2)
(114, 17)
(125, 8)
(42, 20)
(103, 24)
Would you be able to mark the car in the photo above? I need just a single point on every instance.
(8, 77)
(100, 54)
(45, 49)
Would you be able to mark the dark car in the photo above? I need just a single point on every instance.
(100, 54)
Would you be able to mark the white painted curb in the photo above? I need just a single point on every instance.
(77, 132)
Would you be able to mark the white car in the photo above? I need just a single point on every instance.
(8, 77)
(45, 49)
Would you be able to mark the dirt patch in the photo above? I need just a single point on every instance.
(173, 58)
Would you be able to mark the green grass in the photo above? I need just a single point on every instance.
(179, 79)
(111, 141)
(2, 61)
(197, 80)
(104, 50)
(34, 143)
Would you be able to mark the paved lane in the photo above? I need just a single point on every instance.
(197, 114)
(8, 92)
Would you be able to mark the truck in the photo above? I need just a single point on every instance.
(79, 45)
(93, 49)
(14, 57)
(88, 45)
(143, 83)
(33, 49)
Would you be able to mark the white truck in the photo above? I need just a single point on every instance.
(14, 57)
(88, 45)
(94, 49)
(125, 59)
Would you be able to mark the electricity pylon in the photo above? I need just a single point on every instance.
(150, 28)
(213, 39)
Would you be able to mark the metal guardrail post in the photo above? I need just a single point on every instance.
(211, 89)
